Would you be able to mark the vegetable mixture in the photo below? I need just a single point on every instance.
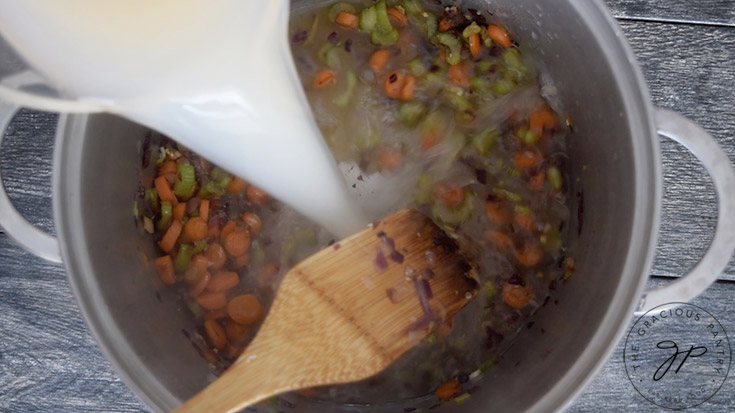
(444, 101)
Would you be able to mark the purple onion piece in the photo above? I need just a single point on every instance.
(422, 323)
(332, 38)
(336, 246)
(299, 36)
(517, 280)
(430, 257)
(388, 241)
(427, 274)
(192, 205)
(393, 295)
(423, 290)
(381, 264)
(396, 256)
(409, 272)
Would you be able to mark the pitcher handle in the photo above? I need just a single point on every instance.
(718, 165)
(15, 225)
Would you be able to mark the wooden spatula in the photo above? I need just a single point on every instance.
(348, 311)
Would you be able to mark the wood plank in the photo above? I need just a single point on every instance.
(695, 79)
(720, 12)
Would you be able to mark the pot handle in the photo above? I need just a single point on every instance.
(15, 225)
(715, 259)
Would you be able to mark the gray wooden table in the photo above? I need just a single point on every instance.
(49, 361)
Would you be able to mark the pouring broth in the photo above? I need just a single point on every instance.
(437, 108)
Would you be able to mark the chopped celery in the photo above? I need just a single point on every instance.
(490, 289)
(555, 179)
(484, 141)
(412, 7)
(199, 247)
(455, 216)
(195, 308)
(343, 99)
(453, 47)
(486, 40)
(429, 24)
(522, 209)
(321, 54)
(410, 113)
(368, 140)
(210, 188)
(425, 192)
(514, 64)
(526, 135)
(288, 246)
(552, 239)
(166, 214)
(484, 66)
(259, 255)
(220, 177)
(513, 172)
(384, 38)
(305, 236)
(464, 116)
(135, 209)
(461, 398)
(473, 28)
(148, 225)
(382, 19)
(488, 364)
(183, 257)
(151, 195)
(333, 59)
(503, 86)
(312, 32)
(480, 85)
(185, 179)
(368, 19)
(416, 67)
(509, 195)
(338, 8)
(456, 98)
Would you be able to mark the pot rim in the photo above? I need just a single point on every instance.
(639, 257)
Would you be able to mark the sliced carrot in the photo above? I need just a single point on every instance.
(257, 195)
(516, 296)
(216, 334)
(497, 212)
(429, 140)
(179, 211)
(169, 238)
(450, 195)
(266, 274)
(164, 190)
(201, 284)
(393, 84)
(216, 256)
(245, 309)
(398, 16)
(236, 333)
(409, 87)
(223, 281)
(541, 120)
(448, 390)
(195, 229)
(237, 242)
(212, 301)
(527, 160)
(499, 240)
(347, 19)
(324, 78)
(253, 223)
(459, 76)
(200, 263)
(167, 168)
(537, 181)
(204, 209)
(525, 221)
(241, 261)
(165, 268)
(229, 227)
(390, 159)
(475, 44)
(236, 185)
(529, 254)
(445, 25)
(499, 35)
(378, 60)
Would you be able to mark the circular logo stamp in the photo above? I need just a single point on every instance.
(677, 356)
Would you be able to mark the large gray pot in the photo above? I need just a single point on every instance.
(614, 152)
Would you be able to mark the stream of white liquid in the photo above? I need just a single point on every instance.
(218, 77)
